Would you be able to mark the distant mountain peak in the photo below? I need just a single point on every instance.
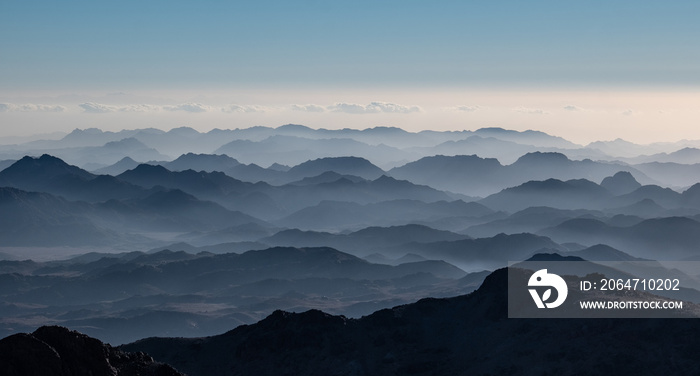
(126, 143)
(385, 130)
(539, 157)
(530, 137)
(621, 183)
(149, 169)
(293, 127)
(41, 169)
(494, 130)
(356, 166)
(199, 162)
(185, 131)
(279, 167)
(93, 131)
(127, 160)
(553, 257)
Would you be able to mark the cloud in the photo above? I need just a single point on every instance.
(373, 108)
(9, 107)
(628, 112)
(238, 108)
(308, 108)
(467, 108)
(573, 108)
(139, 108)
(348, 108)
(533, 111)
(188, 107)
(97, 108)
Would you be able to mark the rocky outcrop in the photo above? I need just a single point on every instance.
(57, 351)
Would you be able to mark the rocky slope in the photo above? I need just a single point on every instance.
(57, 351)
(466, 335)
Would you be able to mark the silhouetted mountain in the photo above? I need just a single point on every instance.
(120, 298)
(29, 172)
(201, 183)
(201, 162)
(177, 211)
(40, 219)
(124, 164)
(174, 142)
(686, 155)
(331, 215)
(409, 257)
(222, 163)
(473, 175)
(6, 163)
(43, 219)
(671, 174)
(37, 138)
(462, 173)
(295, 150)
(665, 197)
(671, 238)
(505, 152)
(384, 146)
(341, 165)
(265, 201)
(94, 137)
(52, 175)
(553, 161)
(691, 196)
(478, 254)
(294, 197)
(56, 351)
(552, 257)
(254, 173)
(245, 232)
(95, 157)
(542, 166)
(620, 148)
(530, 220)
(621, 183)
(362, 242)
(279, 167)
(178, 141)
(391, 188)
(327, 177)
(646, 208)
(571, 194)
(453, 336)
(601, 252)
(528, 137)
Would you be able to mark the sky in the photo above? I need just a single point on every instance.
(594, 70)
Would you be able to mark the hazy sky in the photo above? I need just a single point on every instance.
(581, 70)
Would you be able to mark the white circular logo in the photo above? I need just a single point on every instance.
(543, 279)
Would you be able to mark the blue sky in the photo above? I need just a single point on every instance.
(178, 51)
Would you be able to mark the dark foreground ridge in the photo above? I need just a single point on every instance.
(465, 335)
(57, 351)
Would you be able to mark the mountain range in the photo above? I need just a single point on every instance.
(123, 297)
(386, 147)
(321, 251)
